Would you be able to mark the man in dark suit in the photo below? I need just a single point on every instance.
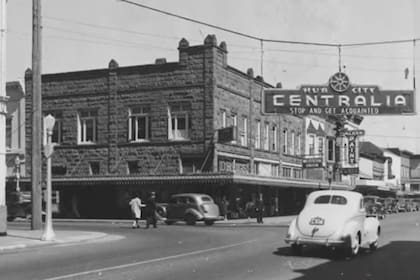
(150, 211)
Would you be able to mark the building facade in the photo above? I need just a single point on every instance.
(194, 125)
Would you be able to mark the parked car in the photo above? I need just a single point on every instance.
(333, 218)
(19, 205)
(402, 205)
(190, 207)
(375, 206)
(391, 205)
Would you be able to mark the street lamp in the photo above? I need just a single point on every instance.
(17, 165)
(48, 234)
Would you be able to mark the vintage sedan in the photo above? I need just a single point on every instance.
(189, 207)
(336, 219)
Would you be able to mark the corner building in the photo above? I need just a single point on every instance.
(189, 126)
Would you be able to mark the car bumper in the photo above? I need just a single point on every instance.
(321, 242)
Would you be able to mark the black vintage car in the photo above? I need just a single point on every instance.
(374, 206)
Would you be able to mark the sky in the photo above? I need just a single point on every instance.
(87, 34)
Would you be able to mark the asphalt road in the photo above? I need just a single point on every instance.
(217, 252)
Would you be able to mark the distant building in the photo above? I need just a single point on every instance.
(194, 125)
(401, 167)
(376, 174)
(15, 133)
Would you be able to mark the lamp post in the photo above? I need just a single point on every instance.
(17, 165)
(48, 234)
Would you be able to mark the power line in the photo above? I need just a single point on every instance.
(267, 40)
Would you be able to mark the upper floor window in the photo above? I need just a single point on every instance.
(292, 144)
(331, 144)
(94, 167)
(57, 134)
(257, 143)
(311, 145)
(179, 121)
(8, 133)
(244, 134)
(139, 123)
(320, 145)
(298, 144)
(223, 118)
(266, 136)
(285, 146)
(274, 141)
(87, 126)
(235, 125)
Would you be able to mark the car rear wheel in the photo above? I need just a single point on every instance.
(354, 245)
(190, 219)
(296, 249)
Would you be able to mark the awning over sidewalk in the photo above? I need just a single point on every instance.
(201, 178)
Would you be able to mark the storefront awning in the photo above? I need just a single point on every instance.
(201, 178)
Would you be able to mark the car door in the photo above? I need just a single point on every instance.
(173, 208)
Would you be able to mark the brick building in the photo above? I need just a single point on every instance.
(194, 125)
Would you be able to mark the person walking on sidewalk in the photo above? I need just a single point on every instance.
(150, 211)
(259, 209)
(135, 204)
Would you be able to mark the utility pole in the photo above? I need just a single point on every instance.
(36, 117)
(3, 111)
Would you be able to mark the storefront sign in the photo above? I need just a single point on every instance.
(312, 163)
(227, 134)
(350, 171)
(337, 98)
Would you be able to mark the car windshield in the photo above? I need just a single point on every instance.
(331, 199)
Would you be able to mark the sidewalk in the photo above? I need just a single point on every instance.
(24, 238)
(282, 221)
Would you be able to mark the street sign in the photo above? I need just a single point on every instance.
(312, 163)
(350, 170)
(338, 98)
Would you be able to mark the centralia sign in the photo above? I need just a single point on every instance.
(337, 98)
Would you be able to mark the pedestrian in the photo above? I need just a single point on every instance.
(259, 209)
(249, 208)
(151, 218)
(225, 205)
(135, 204)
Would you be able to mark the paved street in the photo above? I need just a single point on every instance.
(217, 252)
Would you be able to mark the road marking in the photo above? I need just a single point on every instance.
(100, 270)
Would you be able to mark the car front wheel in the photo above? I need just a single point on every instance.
(190, 219)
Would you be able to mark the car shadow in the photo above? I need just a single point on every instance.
(396, 260)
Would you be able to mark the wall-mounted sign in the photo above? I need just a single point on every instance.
(337, 98)
(352, 149)
(350, 170)
(349, 133)
(312, 163)
(227, 134)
